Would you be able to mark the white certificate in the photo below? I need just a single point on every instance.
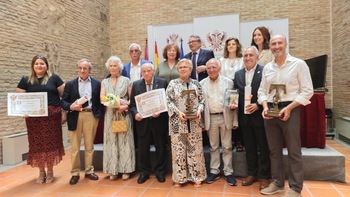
(247, 98)
(151, 102)
(30, 103)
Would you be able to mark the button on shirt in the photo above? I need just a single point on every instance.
(216, 96)
(294, 73)
(85, 89)
(135, 71)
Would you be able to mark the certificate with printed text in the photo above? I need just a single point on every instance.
(150, 102)
(31, 103)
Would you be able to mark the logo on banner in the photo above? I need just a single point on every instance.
(173, 39)
(216, 40)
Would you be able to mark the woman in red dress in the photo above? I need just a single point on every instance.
(44, 133)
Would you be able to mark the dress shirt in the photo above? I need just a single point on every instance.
(85, 89)
(135, 71)
(295, 74)
(249, 74)
(216, 96)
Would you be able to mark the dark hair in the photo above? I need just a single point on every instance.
(239, 48)
(168, 47)
(266, 35)
(32, 77)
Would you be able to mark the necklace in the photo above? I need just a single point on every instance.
(232, 62)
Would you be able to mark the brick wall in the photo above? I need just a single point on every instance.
(64, 31)
(341, 58)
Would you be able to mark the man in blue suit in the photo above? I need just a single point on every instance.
(132, 69)
(199, 57)
(150, 129)
(81, 98)
(250, 119)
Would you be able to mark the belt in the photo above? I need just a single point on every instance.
(86, 110)
(217, 113)
(280, 104)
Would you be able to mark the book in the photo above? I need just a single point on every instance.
(231, 97)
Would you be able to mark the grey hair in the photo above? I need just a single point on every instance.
(252, 47)
(198, 38)
(213, 60)
(135, 45)
(117, 60)
(85, 60)
(146, 64)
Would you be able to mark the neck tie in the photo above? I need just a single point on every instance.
(194, 63)
(149, 87)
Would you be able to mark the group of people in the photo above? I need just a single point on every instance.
(204, 79)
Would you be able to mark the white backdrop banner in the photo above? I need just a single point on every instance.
(214, 31)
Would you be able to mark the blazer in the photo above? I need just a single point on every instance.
(230, 116)
(203, 56)
(139, 87)
(71, 94)
(127, 66)
(240, 84)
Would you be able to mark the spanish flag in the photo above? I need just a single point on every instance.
(156, 57)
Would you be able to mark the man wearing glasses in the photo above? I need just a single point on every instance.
(132, 69)
(199, 57)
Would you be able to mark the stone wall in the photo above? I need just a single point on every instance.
(64, 31)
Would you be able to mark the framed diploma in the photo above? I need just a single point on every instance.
(31, 103)
(231, 97)
(150, 102)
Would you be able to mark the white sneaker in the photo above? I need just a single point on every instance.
(293, 193)
(272, 189)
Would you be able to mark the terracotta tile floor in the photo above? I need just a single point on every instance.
(20, 181)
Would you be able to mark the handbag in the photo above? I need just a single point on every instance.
(119, 124)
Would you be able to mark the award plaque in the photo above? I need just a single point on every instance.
(274, 111)
(190, 112)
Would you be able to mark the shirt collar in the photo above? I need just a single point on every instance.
(82, 80)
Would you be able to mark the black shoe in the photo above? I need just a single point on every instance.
(91, 176)
(74, 180)
(212, 177)
(142, 178)
(160, 178)
(231, 180)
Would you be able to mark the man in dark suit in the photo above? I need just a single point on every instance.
(132, 69)
(81, 98)
(247, 81)
(199, 57)
(150, 129)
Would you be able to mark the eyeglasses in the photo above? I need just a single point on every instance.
(193, 41)
(134, 51)
(183, 67)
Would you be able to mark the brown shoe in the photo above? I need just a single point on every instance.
(264, 183)
(249, 180)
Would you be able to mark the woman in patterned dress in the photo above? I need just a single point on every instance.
(44, 133)
(118, 148)
(185, 133)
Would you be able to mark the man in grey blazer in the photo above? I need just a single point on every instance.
(219, 120)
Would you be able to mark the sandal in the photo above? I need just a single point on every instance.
(197, 184)
(125, 176)
(113, 177)
(49, 177)
(41, 178)
(177, 184)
